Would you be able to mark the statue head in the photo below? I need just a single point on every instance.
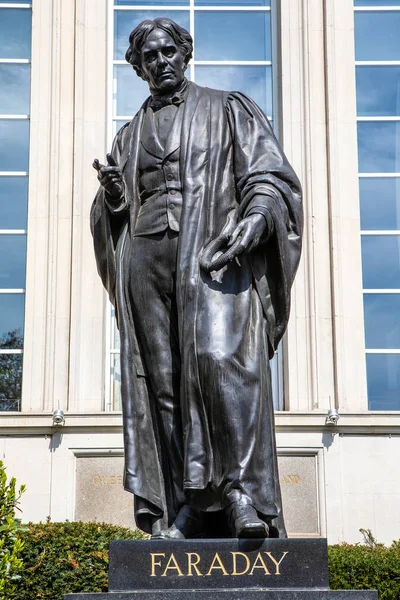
(159, 51)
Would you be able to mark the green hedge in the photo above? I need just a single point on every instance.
(73, 557)
(363, 567)
(61, 558)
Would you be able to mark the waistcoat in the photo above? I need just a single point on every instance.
(159, 177)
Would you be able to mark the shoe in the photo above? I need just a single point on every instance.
(244, 521)
(188, 524)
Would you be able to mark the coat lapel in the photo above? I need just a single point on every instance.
(130, 168)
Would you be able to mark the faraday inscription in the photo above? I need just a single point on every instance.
(236, 563)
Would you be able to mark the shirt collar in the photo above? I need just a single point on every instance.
(179, 96)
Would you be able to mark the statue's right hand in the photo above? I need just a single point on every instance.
(110, 177)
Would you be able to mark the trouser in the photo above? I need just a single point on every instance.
(152, 290)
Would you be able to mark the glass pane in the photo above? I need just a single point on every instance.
(14, 145)
(378, 91)
(116, 382)
(232, 35)
(13, 202)
(382, 321)
(377, 35)
(14, 89)
(381, 261)
(378, 147)
(380, 203)
(15, 33)
(129, 91)
(232, 2)
(10, 381)
(126, 21)
(13, 261)
(253, 81)
(383, 377)
(12, 321)
(376, 3)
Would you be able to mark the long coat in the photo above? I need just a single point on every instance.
(230, 322)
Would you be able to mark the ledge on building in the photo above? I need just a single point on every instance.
(28, 423)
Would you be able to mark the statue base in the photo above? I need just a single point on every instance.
(222, 569)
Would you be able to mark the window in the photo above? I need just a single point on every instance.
(15, 44)
(377, 25)
(232, 50)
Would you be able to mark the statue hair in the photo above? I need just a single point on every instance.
(138, 36)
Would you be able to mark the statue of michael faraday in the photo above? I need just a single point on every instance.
(197, 233)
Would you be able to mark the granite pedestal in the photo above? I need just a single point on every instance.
(273, 569)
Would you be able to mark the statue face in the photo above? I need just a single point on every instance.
(162, 62)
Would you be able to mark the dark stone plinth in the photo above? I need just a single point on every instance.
(218, 564)
(303, 594)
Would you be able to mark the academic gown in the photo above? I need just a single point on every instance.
(230, 321)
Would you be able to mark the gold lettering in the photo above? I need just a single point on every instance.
(290, 479)
(259, 566)
(101, 480)
(276, 563)
(220, 565)
(173, 566)
(234, 555)
(192, 564)
(155, 564)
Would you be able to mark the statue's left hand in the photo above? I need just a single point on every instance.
(248, 234)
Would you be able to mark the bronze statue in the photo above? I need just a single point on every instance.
(197, 233)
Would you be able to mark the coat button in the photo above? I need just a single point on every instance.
(172, 192)
(171, 206)
(170, 176)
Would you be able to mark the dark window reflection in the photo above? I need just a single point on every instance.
(12, 319)
(382, 321)
(253, 81)
(10, 382)
(15, 33)
(378, 91)
(13, 202)
(126, 21)
(130, 90)
(14, 145)
(378, 147)
(381, 261)
(383, 375)
(380, 203)
(377, 35)
(232, 35)
(14, 89)
(12, 266)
